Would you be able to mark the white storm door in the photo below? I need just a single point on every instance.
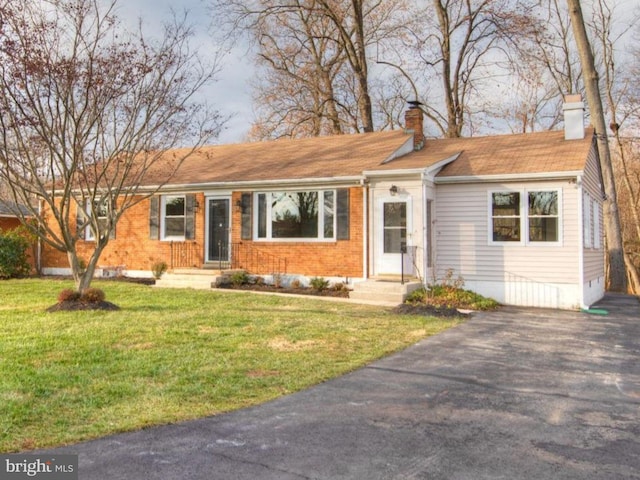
(391, 236)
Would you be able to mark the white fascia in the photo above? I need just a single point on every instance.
(426, 172)
(259, 184)
(509, 177)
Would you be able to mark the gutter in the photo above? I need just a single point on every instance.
(580, 199)
(253, 184)
(508, 177)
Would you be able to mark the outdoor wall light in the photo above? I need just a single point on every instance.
(393, 190)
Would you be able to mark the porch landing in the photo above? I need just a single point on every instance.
(384, 290)
(197, 278)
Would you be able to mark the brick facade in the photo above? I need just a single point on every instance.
(133, 249)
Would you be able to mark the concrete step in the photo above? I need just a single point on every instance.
(187, 280)
(383, 290)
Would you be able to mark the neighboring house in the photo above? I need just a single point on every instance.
(10, 221)
(518, 217)
(8, 218)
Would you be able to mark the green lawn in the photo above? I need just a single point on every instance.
(171, 355)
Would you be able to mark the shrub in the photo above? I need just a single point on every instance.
(277, 280)
(92, 295)
(158, 269)
(319, 284)
(296, 284)
(417, 296)
(68, 295)
(340, 287)
(239, 278)
(13, 255)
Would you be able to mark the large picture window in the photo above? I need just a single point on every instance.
(296, 215)
(531, 216)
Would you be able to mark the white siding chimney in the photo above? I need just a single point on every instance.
(573, 109)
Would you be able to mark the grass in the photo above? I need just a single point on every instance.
(171, 355)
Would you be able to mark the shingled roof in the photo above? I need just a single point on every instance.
(342, 156)
(318, 157)
(8, 209)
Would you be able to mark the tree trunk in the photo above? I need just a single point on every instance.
(634, 276)
(615, 251)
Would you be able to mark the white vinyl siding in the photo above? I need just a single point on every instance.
(593, 252)
(463, 226)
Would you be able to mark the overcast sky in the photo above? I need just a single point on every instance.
(231, 93)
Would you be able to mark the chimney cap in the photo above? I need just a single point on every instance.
(414, 104)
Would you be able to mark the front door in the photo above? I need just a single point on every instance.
(218, 237)
(392, 236)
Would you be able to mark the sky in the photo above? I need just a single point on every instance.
(231, 94)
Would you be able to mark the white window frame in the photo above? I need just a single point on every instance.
(597, 234)
(321, 217)
(163, 215)
(587, 220)
(524, 218)
(491, 218)
(88, 232)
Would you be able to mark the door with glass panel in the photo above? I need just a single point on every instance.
(391, 236)
(218, 230)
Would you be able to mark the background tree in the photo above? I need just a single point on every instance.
(615, 250)
(313, 59)
(543, 67)
(452, 53)
(87, 109)
(621, 101)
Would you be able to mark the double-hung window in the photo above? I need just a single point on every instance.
(505, 215)
(529, 216)
(173, 217)
(101, 211)
(543, 216)
(294, 215)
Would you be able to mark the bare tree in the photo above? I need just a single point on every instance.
(615, 250)
(621, 105)
(544, 67)
(87, 110)
(300, 65)
(314, 53)
(450, 57)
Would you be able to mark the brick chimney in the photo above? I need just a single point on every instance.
(573, 109)
(413, 120)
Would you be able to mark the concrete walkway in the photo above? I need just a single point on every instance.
(513, 394)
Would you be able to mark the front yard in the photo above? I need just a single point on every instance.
(171, 355)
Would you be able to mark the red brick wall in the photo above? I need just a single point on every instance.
(8, 223)
(133, 249)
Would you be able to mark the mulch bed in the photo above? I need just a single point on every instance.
(73, 306)
(297, 291)
(427, 310)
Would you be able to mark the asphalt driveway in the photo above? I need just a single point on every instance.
(514, 394)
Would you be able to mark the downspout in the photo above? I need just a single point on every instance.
(581, 240)
(38, 258)
(426, 242)
(365, 228)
